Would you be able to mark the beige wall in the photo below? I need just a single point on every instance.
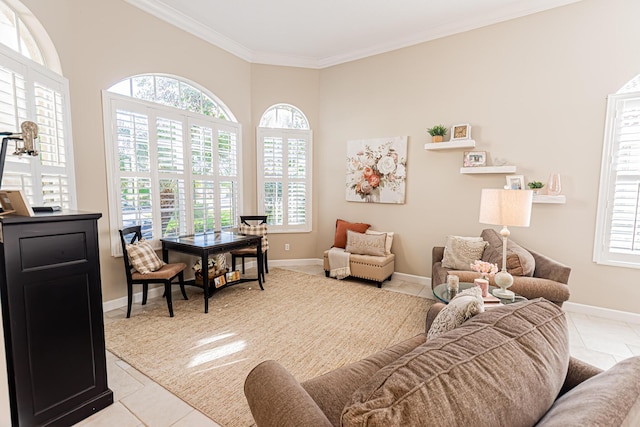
(534, 90)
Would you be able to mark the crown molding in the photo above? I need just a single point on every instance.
(190, 25)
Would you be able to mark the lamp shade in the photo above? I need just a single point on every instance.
(505, 207)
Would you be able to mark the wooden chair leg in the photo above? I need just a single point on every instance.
(242, 265)
(181, 281)
(266, 264)
(167, 292)
(129, 299)
(233, 262)
(145, 289)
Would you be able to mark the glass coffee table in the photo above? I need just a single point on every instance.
(441, 292)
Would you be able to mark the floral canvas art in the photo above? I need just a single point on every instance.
(376, 170)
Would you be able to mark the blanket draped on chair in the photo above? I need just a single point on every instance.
(339, 263)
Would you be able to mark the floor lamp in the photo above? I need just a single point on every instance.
(505, 208)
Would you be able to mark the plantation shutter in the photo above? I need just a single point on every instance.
(176, 172)
(620, 221)
(284, 178)
(28, 91)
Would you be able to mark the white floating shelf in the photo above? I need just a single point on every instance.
(543, 198)
(449, 145)
(489, 169)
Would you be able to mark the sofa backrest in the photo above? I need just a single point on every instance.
(503, 367)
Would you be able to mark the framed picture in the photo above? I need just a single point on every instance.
(13, 201)
(515, 182)
(459, 132)
(474, 158)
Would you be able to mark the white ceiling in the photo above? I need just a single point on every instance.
(322, 33)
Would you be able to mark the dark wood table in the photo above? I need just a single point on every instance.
(204, 245)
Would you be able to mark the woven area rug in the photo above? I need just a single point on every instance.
(309, 323)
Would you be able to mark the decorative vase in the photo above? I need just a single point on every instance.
(483, 283)
(436, 138)
(554, 187)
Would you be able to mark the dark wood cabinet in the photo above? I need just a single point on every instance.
(52, 318)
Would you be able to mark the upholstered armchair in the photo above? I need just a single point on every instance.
(534, 275)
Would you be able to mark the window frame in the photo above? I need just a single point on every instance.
(604, 217)
(285, 134)
(33, 73)
(112, 102)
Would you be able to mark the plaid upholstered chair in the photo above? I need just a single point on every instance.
(255, 225)
(142, 267)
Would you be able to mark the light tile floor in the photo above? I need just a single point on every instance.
(141, 402)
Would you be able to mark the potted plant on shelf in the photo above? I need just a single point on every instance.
(535, 186)
(437, 132)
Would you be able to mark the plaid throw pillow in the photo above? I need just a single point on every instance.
(256, 230)
(143, 258)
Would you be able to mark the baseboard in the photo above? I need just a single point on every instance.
(605, 313)
(572, 307)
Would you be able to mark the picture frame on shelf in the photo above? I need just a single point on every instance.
(515, 182)
(460, 132)
(474, 159)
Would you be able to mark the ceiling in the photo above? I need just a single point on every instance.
(322, 33)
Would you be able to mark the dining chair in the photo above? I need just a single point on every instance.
(254, 225)
(153, 269)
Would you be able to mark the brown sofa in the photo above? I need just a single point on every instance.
(549, 279)
(509, 366)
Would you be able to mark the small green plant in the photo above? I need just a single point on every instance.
(535, 185)
(437, 130)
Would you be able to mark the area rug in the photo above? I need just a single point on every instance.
(308, 323)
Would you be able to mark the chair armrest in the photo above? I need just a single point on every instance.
(431, 314)
(277, 399)
(551, 269)
(437, 253)
(578, 372)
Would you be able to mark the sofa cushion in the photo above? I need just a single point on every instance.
(508, 363)
(461, 308)
(460, 252)
(519, 261)
(365, 244)
(611, 398)
(340, 239)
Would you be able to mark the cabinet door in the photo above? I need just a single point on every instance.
(55, 307)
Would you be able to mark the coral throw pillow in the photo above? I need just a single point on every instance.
(340, 240)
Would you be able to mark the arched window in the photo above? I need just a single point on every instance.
(31, 88)
(173, 158)
(617, 240)
(284, 147)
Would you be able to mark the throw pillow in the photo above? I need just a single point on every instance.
(462, 307)
(143, 258)
(365, 244)
(460, 252)
(340, 240)
(388, 242)
(519, 261)
(516, 354)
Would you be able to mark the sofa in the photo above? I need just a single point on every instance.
(508, 366)
(534, 275)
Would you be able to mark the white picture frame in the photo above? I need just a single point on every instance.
(515, 182)
(460, 132)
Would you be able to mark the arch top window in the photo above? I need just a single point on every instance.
(15, 35)
(284, 116)
(172, 92)
(617, 238)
